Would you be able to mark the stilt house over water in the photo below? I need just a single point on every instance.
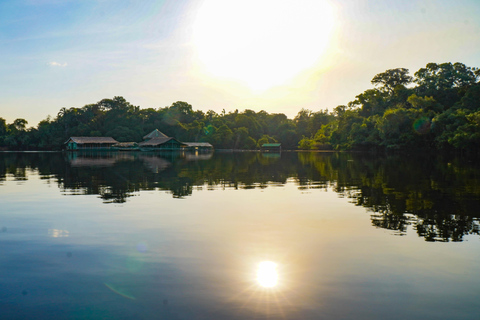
(154, 141)
(157, 140)
(271, 147)
(90, 143)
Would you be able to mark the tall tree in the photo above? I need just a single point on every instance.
(391, 78)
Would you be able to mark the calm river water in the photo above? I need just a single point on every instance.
(238, 236)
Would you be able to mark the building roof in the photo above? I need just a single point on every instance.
(155, 134)
(266, 145)
(157, 141)
(198, 144)
(83, 140)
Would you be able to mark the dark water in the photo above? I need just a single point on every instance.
(238, 236)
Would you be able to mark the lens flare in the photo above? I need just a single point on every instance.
(267, 275)
(120, 292)
(422, 125)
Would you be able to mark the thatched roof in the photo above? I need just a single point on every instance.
(86, 140)
(155, 141)
(155, 134)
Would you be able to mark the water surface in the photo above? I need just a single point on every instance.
(238, 236)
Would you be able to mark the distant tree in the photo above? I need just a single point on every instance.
(471, 99)
(371, 102)
(302, 120)
(20, 124)
(3, 127)
(391, 78)
(305, 143)
(243, 140)
(223, 137)
(445, 76)
(424, 103)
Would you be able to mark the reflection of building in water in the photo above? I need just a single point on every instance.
(155, 163)
(97, 159)
(198, 146)
(92, 162)
(271, 155)
(189, 156)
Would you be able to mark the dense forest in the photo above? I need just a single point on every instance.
(438, 108)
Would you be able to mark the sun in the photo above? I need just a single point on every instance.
(262, 43)
(267, 275)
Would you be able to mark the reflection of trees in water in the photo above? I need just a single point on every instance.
(446, 227)
(396, 222)
(16, 165)
(129, 174)
(439, 199)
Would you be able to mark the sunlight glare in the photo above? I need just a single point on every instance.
(267, 275)
(261, 43)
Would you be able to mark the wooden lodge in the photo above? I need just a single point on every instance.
(158, 141)
(271, 147)
(90, 143)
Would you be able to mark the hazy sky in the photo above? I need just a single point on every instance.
(273, 55)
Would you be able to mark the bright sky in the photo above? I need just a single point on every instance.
(272, 55)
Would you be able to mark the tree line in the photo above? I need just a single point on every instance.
(438, 108)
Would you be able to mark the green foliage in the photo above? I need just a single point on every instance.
(305, 144)
(19, 124)
(323, 136)
(3, 130)
(391, 78)
(445, 76)
(395, 127)
(471, 99)
(371, 102)
(243, 140)
(265, 139)
(459, 129)
(424, 103)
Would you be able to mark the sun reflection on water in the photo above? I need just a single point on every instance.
(267, 275)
